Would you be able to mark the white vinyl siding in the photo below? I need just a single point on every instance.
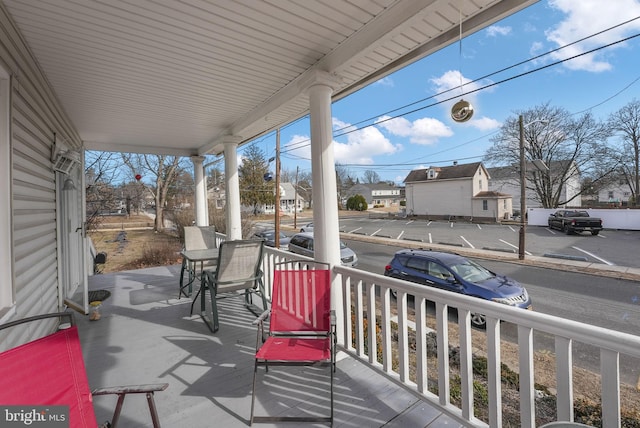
(7, 294)
(446, 197)
(28, 201)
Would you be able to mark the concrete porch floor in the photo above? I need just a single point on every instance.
(146, 335)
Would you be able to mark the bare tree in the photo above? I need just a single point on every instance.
(163, 169)
(371, 177)
(568, 146)
(626, 124)
(344, 181)
(101, 172)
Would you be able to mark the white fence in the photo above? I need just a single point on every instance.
(625, 219)
(366, 296)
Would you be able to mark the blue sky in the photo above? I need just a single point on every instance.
(601, 82)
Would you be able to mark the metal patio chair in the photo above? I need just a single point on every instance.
(302, 327)
(237, 273)
(50, 371)
(195, 238)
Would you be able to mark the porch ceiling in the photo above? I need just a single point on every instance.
(162, 76)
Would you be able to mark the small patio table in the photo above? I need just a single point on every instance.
(189, 259)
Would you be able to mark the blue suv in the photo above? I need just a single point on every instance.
(453, 272)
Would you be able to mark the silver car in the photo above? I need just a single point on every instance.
(307, 228)
(302, 243)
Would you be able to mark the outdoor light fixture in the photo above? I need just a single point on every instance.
(68, 184)
(63, 160)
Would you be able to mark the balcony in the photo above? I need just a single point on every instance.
(147, 335)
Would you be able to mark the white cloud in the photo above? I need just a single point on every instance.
(449, 84)
(423, 131)
(298, 146)
(385, 81)
(586, 17)
(362, 145)
(484, 123)
(453, 79)
(536, 48)
(498, 30)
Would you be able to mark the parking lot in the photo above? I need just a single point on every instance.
(612, 247)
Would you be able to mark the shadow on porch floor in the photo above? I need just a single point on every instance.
(146, 335)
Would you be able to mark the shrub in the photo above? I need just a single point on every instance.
(357, 203)
(159, 253)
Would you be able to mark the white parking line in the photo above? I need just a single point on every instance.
(594, 256)
(514, 246)
(451, 224)
(512, 229)
(400, 236)
(410, 221)
(479, 227)
(430, 241)
(429, 223)
(374, 233)
(551, 231)
(351, 231)
(468, 243)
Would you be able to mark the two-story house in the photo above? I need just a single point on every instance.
(457, 191)
(616, 193)
(378, 194)
(506, 179)
(290, 200)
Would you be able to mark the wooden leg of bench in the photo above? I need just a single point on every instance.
(116, 413)
(153, 410)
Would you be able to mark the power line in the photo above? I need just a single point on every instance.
(304, 143)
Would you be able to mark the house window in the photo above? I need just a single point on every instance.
(7, 292)
(504, 204)
(480, 183)
(610, 194)
(432, 173)
(485, 205)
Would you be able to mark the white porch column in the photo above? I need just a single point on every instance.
(232, 187)
(200, 191)
(323, 172)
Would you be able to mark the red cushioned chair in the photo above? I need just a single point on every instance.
(50, 371)
(301, 327)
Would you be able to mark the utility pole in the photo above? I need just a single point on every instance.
(277, 199)
(523, 190)
(295, 201)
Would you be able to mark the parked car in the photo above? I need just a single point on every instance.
(307, 228)
(269, 237)
(572, 221)
(452, 272)
(302, 243)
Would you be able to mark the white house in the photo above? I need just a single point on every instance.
(458, 191)
(506, 179)
(377, 194)
(615, 193)
(290, 201)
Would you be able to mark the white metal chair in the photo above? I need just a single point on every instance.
(238, 273)
(195, 238)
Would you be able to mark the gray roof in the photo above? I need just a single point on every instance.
(445, 172)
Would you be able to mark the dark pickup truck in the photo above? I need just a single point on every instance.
(571, 221)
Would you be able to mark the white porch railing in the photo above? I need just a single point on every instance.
(366, 296)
